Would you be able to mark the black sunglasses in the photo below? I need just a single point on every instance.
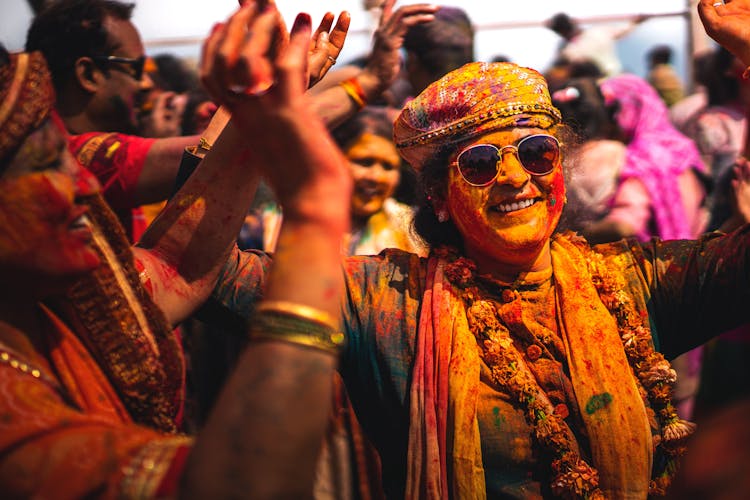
(479, 164)
(137, 65)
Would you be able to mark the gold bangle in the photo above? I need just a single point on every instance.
(204, 144)
(298, 310)
(297, 324)
(354, 91)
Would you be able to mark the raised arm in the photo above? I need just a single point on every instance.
(335, 104)
(729, 24)
(255, 444)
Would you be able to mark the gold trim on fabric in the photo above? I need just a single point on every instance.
(146, 470)
(108, 309)
(86, 154)
(9, 357)
(6, 106)
(134, 303)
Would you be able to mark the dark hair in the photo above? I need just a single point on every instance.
(174, 75)
(444, 44)
(188, 124)
(372, 119)
(377, 120)
(432, 181)
(721, 85)
(585, 69)
(661, 54)
(584, 110)
(66, 30)
(4, 56)
(561, 24)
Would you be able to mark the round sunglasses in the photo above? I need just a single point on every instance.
(479, 164)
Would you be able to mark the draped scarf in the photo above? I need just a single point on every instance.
(124, 330)
(444, 454)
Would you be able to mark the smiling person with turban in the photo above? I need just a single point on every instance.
(514, 361)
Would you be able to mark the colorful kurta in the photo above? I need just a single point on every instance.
(689, 292)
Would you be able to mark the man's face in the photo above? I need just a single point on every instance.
(45, 240)
(115, 105)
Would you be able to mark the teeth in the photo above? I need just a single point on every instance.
(512, 207)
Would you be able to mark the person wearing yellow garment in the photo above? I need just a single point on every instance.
(514, 361)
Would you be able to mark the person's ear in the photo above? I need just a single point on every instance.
(87, 74)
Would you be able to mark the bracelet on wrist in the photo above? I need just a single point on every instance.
(297, 324)
(354, 90)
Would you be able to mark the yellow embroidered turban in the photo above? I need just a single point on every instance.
(472, 100)
(26, 98)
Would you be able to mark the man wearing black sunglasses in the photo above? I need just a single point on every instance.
(100, 73)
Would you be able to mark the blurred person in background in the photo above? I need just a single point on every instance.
(662, 75)
(595, 43)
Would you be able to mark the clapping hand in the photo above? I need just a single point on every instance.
(325, 45)
(263, 84)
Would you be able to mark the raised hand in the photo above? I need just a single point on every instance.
(263, 86)
(729, 24)
(326, 45)
(384, 61)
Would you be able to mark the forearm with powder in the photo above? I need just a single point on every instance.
(185, 247)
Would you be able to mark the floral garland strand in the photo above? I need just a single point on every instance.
(653, 371)
(572, 476)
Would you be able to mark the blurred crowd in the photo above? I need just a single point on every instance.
(646, 158)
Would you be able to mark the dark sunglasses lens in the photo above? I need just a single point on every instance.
(478, 164)
(138, 65)
(539, 154)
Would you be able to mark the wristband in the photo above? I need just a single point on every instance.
(354, 90)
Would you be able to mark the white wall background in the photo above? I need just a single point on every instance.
(163, 22)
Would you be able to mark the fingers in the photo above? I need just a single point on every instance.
(256, 62)
(387, 11)
(405, 17)
(325, 25)
(337, 36)
(206, 72)
(229, 73)
(708, 14)
(220, 52)
(292, 65)
(237, 55)
(325, 46)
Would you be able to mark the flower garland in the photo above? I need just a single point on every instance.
(572, 477)
(652, 370)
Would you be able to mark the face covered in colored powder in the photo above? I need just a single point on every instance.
(507, 223)
(44, 234)
(374, 163)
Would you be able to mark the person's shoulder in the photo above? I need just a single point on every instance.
(388, 263)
